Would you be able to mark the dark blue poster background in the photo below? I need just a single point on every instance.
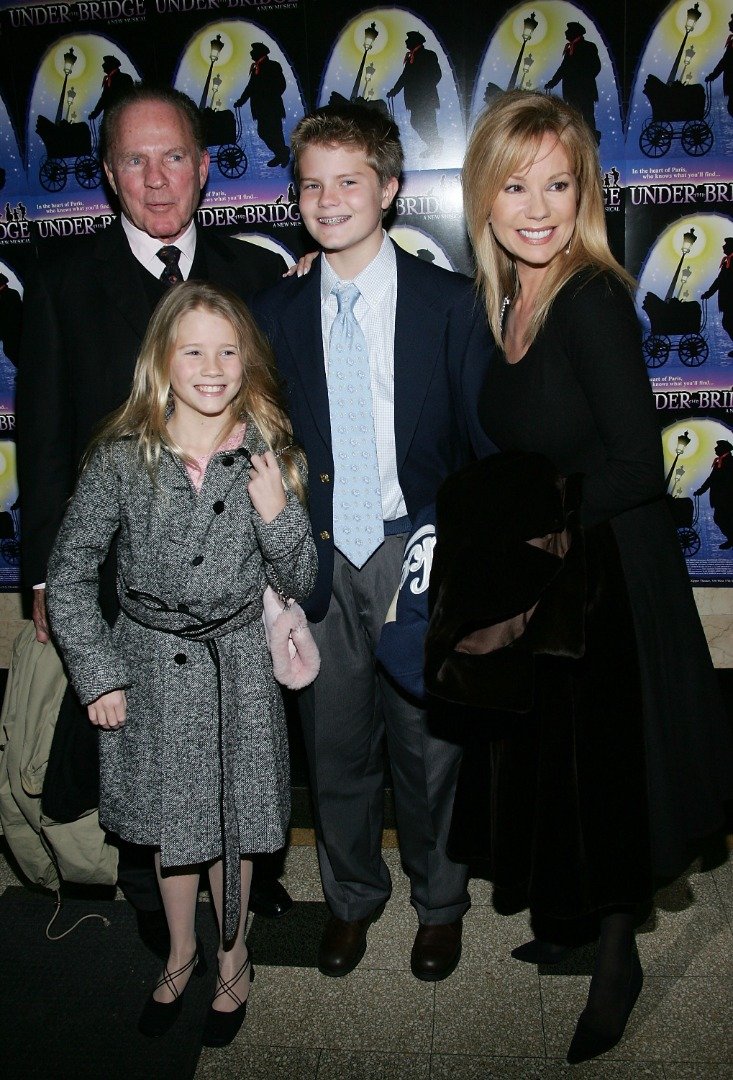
(651, 78)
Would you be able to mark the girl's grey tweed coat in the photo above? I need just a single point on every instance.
(188, 647)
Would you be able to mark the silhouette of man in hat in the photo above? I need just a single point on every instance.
(578, 69)
(264, 92)
(724, 67)
(11, 319)
(723, 286)
(419, 80)
(115, 85)
(720, 486)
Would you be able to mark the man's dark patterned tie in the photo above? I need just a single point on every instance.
(172, 272)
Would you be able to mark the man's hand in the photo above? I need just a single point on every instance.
(303, 264)
(39, 616)
(109, 711)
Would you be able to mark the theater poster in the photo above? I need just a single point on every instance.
(654, 81)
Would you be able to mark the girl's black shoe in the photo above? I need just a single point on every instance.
(158, 1017)
(221, 1027)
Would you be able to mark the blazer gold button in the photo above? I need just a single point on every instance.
(325, 535)
(325, 478)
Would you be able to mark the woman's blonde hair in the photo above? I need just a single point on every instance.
(143, 416)
(505, 141)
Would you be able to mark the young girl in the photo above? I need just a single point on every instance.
(193, 744)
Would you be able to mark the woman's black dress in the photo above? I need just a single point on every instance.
(626, 758)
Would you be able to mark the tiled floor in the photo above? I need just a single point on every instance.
(494, 1018)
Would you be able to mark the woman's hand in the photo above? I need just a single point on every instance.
(303, 265)
(40, 616)
(266, 486)
(109, 711)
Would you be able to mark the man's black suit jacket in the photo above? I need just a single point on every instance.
(441, 351)
(85, 314)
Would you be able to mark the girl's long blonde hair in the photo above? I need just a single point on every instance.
(143, 416)
(505, 141)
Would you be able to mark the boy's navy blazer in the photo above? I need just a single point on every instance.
(441, 350)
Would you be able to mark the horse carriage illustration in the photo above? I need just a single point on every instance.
(65, 140)
(674, 318)
(685, 513)
(674, 104)
(223, 131)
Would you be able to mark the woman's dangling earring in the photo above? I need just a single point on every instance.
(567, 249)
(169, 405)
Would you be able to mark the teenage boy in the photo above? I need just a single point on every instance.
(380, 351)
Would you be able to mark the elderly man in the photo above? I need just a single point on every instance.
(85, 317)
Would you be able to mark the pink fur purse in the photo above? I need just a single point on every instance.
(295, 657)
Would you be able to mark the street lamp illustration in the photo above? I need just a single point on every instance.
(689, 54)
(215, 46)
(70, 95)
(684, 278)
(693, 14)
(70, 59)
(529, 26)
(216, 83)
(368, 77)
(526, 65)
(683, 441)
(677, 487)
(370, 36)
(688, 239)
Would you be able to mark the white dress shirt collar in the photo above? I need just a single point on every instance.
(145, 248)
(373, 281)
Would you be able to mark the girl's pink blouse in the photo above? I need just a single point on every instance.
(196, 469)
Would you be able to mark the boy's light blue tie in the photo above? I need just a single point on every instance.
(358, 526)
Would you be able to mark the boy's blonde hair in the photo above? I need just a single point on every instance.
(355, 127)
(505, 141)
(144, 414)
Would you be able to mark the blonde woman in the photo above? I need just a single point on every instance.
(625, 760)
(197, 476)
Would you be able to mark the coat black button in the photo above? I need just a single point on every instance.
(197, 560)
(218, 507)
(227, 461)
(180, 658)
(184, 609)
